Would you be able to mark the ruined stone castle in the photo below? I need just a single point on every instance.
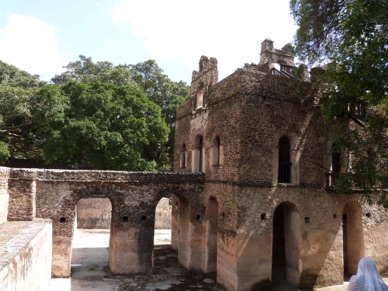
(251, 193)
(268, 212)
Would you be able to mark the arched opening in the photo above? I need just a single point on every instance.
(198, 154)
(163, 251)
(216, 151)
(162, 231)
(353, 238)
(285, 245)
(284, 170)
(90, 246)
(183, 161)
(211, 235)
(335, 165)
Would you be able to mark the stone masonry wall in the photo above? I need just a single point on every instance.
(25, 252)
(249, 111)
(94, 213)
(4, 196)
(53, 194)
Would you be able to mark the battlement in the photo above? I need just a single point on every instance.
(270, 55)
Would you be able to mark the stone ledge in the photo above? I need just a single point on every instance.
(25, 255)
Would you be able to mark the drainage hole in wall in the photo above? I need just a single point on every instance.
(307, 220)
(143, 217)
(62, 219)
(125, 218)
(263, 216)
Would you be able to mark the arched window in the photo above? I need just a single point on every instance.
(198, 154)
(199, 103)
(217, 151)
(284, 172)
(183, 156)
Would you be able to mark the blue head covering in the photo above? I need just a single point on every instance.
(367, 278)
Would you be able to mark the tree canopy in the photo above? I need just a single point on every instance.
(349, 38)
(105, 125)
(95, 114)
(16, 90)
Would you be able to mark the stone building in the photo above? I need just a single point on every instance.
(268, 213)
(251, 194)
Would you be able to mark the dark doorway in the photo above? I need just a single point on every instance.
(285, 245)
(353, 238)
(284, 173)
(211, 234)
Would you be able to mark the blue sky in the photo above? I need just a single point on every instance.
(42, 36)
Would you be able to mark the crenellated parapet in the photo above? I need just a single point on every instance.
(202, 81)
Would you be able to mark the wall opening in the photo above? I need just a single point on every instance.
(90, 246)
(198, 155)
(211, 235)
(216, 151)
(162, 230)
(335, 165)
(353, 238)
(284, 171)
(183, 157)
(286, 245)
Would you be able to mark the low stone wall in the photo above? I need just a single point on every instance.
(25, 255)
(4, 196)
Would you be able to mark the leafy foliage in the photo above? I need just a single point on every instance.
(85, 71)
(102, 124)
(17, 89)
(350, 38)
(168, 95)
(93, 114)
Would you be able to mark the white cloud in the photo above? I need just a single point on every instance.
(231, 31)
(29, 44)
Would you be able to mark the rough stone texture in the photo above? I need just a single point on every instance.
(25, 255)
(4, 196)
(250, 111)
(94, 213)
(22, 190)
(133, 195)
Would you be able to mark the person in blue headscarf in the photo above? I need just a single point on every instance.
(367, 278)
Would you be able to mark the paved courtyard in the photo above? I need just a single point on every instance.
(89, 270)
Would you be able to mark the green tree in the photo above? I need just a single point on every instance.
(103, 124)
(17, 89)
(86, 71)
(350, 38)
(167, 94)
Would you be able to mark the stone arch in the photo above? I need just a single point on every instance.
(353, 237)
(286, 244)
(63, 217)
(294, 157)
(133, 196)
